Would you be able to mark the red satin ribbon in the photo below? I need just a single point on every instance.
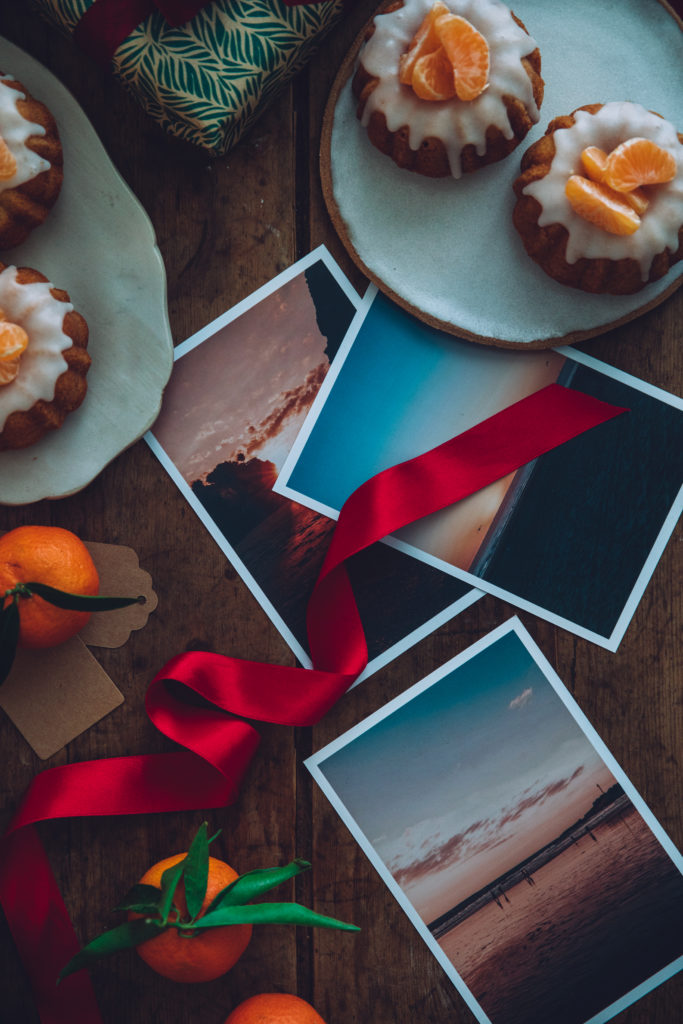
(106, 23)
(218, 745)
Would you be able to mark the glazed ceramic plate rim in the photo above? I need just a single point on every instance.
(99, 245)
(344, 139)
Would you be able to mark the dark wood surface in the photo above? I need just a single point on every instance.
(225, 227)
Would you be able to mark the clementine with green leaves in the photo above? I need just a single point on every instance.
(210, 953)
(190, 917)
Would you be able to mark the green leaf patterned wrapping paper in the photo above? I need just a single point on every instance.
(208, 81)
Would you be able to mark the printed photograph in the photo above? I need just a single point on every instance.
(573, 536)
(238, 395)
(513, 840)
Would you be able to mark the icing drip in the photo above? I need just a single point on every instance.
(41, 315)
(613, 124)
(16, 131)
(457, 124)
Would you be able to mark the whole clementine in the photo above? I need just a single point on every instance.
(274, 1008)
(201, 957)
(58, 558)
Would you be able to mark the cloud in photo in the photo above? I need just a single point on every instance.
(523, 698)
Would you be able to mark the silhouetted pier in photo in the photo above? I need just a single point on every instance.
(609, 805)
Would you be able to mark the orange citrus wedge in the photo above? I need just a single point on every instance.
(594, 162)
(13, 340)
(8, 165)
(639, 162)
(433, 77)
(424, 41)
(601, 206)
(468, 52)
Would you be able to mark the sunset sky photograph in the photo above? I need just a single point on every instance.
(245, 391)
(469, 777)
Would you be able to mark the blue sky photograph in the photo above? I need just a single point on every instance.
(573, 536)
(405, 385)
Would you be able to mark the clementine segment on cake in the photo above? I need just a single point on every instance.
(601, 206)
(468, 52)
(13, 339)
(639, 162)
(8, 164)
(424, 41)
(433, 77)
(594, 163)
(447, 57)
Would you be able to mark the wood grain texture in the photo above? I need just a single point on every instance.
(226, 226)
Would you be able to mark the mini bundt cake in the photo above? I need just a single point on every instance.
(30, 162)
(43, 356)
(600, 198)
(445, 88)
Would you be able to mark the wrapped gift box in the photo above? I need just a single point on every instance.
(207, 79)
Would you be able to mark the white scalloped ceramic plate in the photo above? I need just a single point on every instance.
(98, 244)
(446, 250)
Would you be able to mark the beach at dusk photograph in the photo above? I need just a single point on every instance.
(238, 395)
(512, 839)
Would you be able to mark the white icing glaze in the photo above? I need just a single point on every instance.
(613, 124)
(41, 315)
(16, 131)
(456, 123)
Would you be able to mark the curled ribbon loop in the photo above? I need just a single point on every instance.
(218, 740)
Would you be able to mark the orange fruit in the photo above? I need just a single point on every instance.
(13, 339)
(424, 41)
(201, 957)
(433, 77)
(601, 206)
(639, 162)
(274, 1008)
(56, 557)
(468, 53)
(594, 162)
(8, 164)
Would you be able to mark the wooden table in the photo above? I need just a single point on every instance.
(225, 227)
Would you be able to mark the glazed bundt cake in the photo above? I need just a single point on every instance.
(448, 87)
(600, 198)
(30, 162)
(43, 356)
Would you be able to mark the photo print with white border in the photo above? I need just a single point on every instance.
(573, 536)
(238, 395)
(512, 839)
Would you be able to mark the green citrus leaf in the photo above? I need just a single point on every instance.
(9, 637)
(146, 909)
(270, 913)
(196, 871)
(143, 899)
(169, 884)
(127, 935)
(255, 883)
(81, 602)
